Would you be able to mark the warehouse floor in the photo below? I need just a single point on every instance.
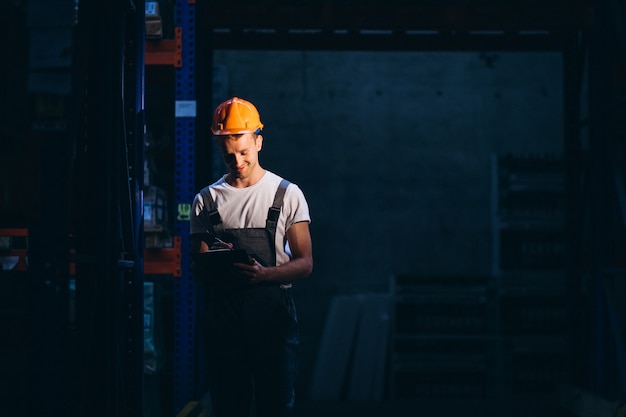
(428, 408)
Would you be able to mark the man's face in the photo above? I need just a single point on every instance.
(241, 153)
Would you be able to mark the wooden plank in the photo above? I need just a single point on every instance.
(367, 379)
(585, 404)
(335, 348)
(191, 409)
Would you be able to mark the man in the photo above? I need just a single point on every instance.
(250, 319)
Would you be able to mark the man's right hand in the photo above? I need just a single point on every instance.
(220, 244)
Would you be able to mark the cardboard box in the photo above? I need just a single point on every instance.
(152, 10)
(154, 22)
(155, 210)
(154, 29)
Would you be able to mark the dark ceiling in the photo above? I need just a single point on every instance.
(396, 25)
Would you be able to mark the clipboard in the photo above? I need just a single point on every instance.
(217, 265)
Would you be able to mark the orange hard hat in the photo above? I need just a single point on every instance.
(236, 116)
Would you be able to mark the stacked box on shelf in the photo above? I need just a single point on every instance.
(533, 325)
(442, 368)
(442, 314)
(15, 319)
(442, 338)
(154, 23)
(13, 249)
(533, 314)
(530, 212)
(156, 218)
(530, 248)
(155, 209)
(529, 261)
(536, 370)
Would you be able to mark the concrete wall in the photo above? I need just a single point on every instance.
(393, 151)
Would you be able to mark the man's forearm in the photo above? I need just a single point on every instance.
(293, 270)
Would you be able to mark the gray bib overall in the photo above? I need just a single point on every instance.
(252, 336)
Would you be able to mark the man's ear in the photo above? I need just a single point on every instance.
(259, 142)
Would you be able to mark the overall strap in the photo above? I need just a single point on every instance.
(210, 216)
(274, 212)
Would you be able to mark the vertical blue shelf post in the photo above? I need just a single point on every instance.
(184, 304)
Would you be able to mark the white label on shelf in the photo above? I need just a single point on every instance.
(185, 108)
(152, 8)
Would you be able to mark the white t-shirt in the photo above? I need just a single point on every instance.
(247, 207)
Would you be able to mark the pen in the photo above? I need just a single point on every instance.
(221, 241)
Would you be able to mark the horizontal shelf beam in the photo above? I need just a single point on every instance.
(497, 16)
(165, 51)
(444, 27)
(386, 40)
(163, 261)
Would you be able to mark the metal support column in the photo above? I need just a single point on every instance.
(108, 205)
(184, 294)
(131, 209)
(606, 357)
(575, 54)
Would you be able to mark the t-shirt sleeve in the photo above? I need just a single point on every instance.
(296, 206)
(195, 221)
